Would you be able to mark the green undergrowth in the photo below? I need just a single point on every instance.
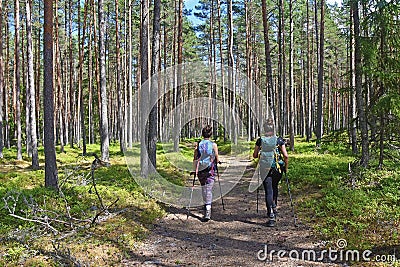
(363, 208)
(25, 202)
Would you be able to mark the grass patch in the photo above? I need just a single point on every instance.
(104, 244)
(365, 212)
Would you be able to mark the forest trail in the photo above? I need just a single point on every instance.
(236, 236)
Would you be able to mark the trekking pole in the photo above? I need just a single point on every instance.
(291, 200)
(220, 189)
(258, 183)
(191, 193)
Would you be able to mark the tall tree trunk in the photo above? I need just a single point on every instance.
(130, 81)
(231, 92)
(71, 114)
(81, 42)
(31, 88)
(320, 115)
(105, 141)
(249, 61)
(6, 74)
(282, 118)
(17, 82)
(144, 99)
(292, 93)
(1, 81)
(222, 67)
(267, 50)
(352, 96)
(118, 82)
(155, 61)
(51, 175)
(362, 118)
(177, 120)
(58, 66)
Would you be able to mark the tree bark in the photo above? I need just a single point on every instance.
(144, 99)
(51, 175)
(130, 81)
(222, 67)
(81, 41)
(120, 122)
(17, 82)
(292, 92)
(71, 114)
(267, 50)
(352, 96)
(177, 119)
(32, 91)
(155, 61)
(1, 80)
(231, 92)
(320, 118)
(105, 141)
(359, 92)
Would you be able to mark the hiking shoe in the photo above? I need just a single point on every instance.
(272, 220)
(207, 215)
(271, 223)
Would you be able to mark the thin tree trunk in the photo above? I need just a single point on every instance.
(320, 118)
(267, 50)
(359, 92)
(222, 67)
(80, 81)
(31, 79)
(71, 114)
(17, 82)
(352, 96)
(120, 116)
(231, 87)
(130, 81)
(281, 71)
(292, 93)
(58, 66)
(1, 80)
(6, 85)
(51, 175)
(249, 61)
(144, 100)
(103, 85)
(153, 117)
(177, 119)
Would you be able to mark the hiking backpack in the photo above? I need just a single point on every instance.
(270, 154)
(205, 155)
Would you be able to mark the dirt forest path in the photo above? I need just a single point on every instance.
(236, 236)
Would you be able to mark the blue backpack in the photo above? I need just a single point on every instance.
(205, 155)
(270, 154)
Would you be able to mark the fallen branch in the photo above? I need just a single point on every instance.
(35, 221)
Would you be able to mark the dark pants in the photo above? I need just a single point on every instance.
(270, 184)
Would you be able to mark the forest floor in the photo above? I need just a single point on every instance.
(236, 236)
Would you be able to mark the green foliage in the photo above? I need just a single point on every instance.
(365, 211)
(23, 191)
(388, 103)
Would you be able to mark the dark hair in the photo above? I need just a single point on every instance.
(269, 126)
(207, 131)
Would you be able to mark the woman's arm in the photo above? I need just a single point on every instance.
(256, 151)
(285, 157)
(215, 147)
